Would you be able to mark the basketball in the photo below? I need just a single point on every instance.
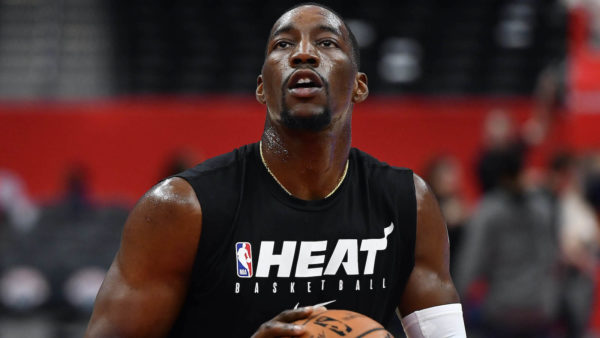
(342, 323)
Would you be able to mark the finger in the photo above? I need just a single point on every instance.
(289, 316)
(318, 309)
(278, 329)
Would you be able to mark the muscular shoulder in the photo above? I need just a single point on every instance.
(431, 226)
(426, 201)
(173, 197)
(162, 231)
(146, 284)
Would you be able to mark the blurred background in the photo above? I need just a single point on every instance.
(496, 103)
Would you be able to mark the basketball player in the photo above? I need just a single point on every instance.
(320, 222)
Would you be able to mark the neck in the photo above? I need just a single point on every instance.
(309, 165)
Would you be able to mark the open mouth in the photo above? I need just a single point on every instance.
(305, 83)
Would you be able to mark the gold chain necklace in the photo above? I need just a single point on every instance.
(288, 192)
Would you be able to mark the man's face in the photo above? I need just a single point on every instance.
(309, 79)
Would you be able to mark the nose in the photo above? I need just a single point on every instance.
(305, 53)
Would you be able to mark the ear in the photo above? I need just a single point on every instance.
(361, 88)
(260, 95)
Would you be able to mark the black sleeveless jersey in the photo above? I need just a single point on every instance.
(263, 251)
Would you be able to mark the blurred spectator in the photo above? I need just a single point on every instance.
(510, 244)
(53, 272)
(500, 133)
(80, 238)
(591, 193)
(76, 197)
(444, 176)
(584, 55)
(578, 238)
(499, 137)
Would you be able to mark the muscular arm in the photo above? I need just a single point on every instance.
(146, 283)
(430, 283)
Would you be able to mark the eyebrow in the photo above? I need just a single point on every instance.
(290, 27)
(282, 30)
(331, 29)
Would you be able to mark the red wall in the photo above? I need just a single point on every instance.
(125, 143)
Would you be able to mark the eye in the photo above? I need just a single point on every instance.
(282, 44)
(327, 43)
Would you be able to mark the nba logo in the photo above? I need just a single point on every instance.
(243, 253)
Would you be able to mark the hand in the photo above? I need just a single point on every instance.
(282, 324)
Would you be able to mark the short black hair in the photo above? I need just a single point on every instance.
(353, 41)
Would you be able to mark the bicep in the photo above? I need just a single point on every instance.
(430, 283)
(122, 310)
(146, 284)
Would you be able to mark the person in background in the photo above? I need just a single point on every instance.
(577, 236)
(586, 245)
(510, 245)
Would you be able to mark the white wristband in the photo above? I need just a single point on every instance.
(437, 321)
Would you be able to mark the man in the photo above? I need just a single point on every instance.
(316, 222)
(510, 243)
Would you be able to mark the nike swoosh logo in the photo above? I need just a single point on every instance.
(317, 305)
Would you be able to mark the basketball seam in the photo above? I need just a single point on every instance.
(371, 330)
(310, 318)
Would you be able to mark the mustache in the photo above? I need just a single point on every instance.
(287, 79)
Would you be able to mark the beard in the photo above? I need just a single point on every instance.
(313, 123)
(308, 123)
